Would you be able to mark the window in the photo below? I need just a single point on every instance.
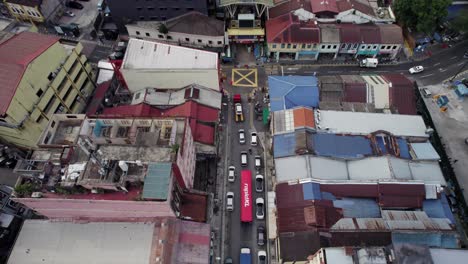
(142, 18)
(163, 18)
(282, 46)
(315, 45)
(273, 46)
(53, 124)
(122, 132)
(355, 46)
(147, 34)
(74, 102)
(150, 8)
(187, 39)
(289, 46)
(343, 46)
(154, 18)
(369, 47)
(322, 46)
(163, 8)
(39, 93)
(210, 42)
(394, 47)
(137, 32)
(67, 94)
(309, 46)
(199, 40)
(329, 47)
(39, 119)
(375, 47)
(169, 37)
(167, 133)
(49, 104)
(383, 47)
(334, 46)
(190, 8)
(220, 42)
(176, 8)
(294, 46)
(303, 46)
(139, 8)
(160, 36)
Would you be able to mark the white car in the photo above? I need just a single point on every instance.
(230, 201)
(259, 183)
(262, 257)
(258, 162)
(69, 13)
(253, 139)
(416, 69)
(243, 159)
(241, 136)
(231, 174)
(260, 208)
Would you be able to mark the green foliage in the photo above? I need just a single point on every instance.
(25, 189)
(460, 23)
(422, 15)
(175, 148)
(163, 29)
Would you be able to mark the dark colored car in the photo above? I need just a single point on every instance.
(260, 235)
(465, 55)
(75, 5)
(84, 0)
(228, 261)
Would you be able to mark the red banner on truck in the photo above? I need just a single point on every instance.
(246, 196)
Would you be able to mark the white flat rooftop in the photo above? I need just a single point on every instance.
(355, 123)
(143, 54)
(47, 242)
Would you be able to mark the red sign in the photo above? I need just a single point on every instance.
(246, 196)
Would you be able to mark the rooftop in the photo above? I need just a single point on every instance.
(288, 92)
(329, 33)
(143, 54)
(289, 29)
(370, 169)
(193, 23)
(167, 98)
(289, 120)
(15, 55)
(368, 123)
(161, 241)
(288, 7)
(324, 6)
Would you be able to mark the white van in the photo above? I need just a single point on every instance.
(258, 162)
(253, 139)
(243, 159)
(230, 201)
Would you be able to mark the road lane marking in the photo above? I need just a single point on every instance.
(442, 70)
(454, 57)
(334, 71)
(460, 64)
(427, 75)
(381, 71)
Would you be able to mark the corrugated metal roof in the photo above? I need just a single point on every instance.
(432, 239)
(311, 191)
(367, 123)
(424, 151)
(291, 119)
(288, 92)
(328, 6)
(370, 34)
(359, 208)
(329, 33)
(402, 93)
(350, 33)
(338, 146)
(288, 28)
(145, 55)
(391, 34)
(438, 208)
(288, 7)
(157, 179)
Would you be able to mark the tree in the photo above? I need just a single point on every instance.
(163, 29)
(460, 23)
(422, 15)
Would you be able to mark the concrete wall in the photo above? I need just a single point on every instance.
(187, 40)
(25, 13)
(186, 158)
(62, 90)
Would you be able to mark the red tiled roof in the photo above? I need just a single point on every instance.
(344, 5)
(402, 94)
(350, 33)
(288, 29)
(15, 55)
(288, 7)
(370, 34)
(319, 6)
(391, 34)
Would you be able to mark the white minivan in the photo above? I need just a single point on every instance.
(258, 162)
(253, 139)
(230, 201)
(243, 158)
(232, 174)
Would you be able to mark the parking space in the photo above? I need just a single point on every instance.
(83, 17)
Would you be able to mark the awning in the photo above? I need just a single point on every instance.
(266, 115)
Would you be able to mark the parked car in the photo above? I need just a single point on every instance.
(465, 55)
(425, 92)
(262, 257)
(228, 260)
(253, 139)
(231, 174)
(259, 183)
(260, 210)
(416, 69)
(241, 136)
(84, 0)
(230, 201)
(69, 13)
(260, 235)
(74, 5)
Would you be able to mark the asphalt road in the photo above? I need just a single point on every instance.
(241, 234)
(437, 68)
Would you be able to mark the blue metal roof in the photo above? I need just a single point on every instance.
(432, 239)
(404, 150)
(311, 191)
(284, 145)
(157, 180)
(424, 151)
(438, 208)
(333, 145)
(358, 208)
(287, 92)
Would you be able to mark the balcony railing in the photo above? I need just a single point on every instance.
(268, 3)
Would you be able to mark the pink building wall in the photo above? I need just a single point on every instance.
(186, 157)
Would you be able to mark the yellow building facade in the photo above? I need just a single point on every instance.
(58, 80)
(25, 10)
